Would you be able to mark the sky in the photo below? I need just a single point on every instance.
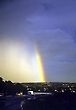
(50, 25)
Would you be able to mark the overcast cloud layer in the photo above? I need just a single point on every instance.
(51, 25)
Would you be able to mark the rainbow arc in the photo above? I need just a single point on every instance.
(40, 66)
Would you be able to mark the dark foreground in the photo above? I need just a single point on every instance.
(58, 101)
(54, 102)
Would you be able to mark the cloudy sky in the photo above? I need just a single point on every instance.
(48, 24)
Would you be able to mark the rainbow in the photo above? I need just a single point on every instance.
(39, 66)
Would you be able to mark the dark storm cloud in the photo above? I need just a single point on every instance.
(51, 24)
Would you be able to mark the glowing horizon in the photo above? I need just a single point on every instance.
(17, 59)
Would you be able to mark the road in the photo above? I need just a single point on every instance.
(11, 103)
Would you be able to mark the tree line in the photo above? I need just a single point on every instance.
(9, 88)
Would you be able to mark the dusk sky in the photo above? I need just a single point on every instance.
(48, 25)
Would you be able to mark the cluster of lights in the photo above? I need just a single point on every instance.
(19, 94)
(56, 90)
(73, 91)
(28, 88)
